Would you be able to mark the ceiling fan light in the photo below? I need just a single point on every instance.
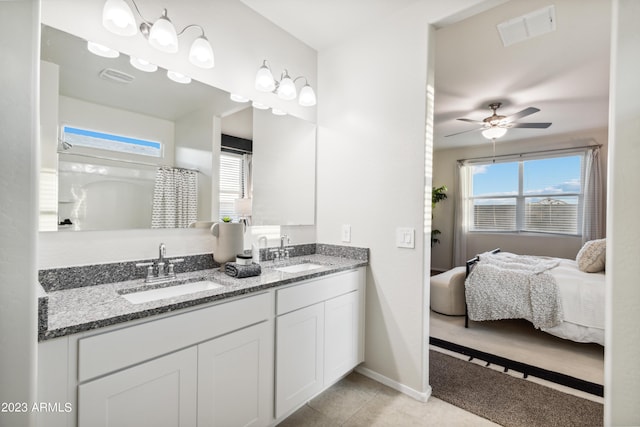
(287, 89)
(201, 53)
(494, 132)
(117, 17)
(163, 36)
(264, 79)
(307, 96)
(101, 50)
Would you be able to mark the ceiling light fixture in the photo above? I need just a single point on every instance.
(494, 132)
(285, 88)
(118, 18)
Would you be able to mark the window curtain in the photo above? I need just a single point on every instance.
(247, 176)
(460, 228)
(592, 207)
(175, 198)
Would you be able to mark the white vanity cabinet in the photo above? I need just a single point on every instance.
(319, 336)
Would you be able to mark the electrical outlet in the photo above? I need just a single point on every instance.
(346, 233)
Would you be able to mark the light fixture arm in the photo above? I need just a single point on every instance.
(195, 26)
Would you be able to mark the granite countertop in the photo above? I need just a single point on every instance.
(75, 310)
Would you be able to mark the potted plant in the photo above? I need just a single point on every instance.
(437, 195)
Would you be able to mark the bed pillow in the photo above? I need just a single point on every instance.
(591, 258)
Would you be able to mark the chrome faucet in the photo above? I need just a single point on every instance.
(162, 274)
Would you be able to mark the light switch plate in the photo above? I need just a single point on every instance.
(405, 237)
(346, 233)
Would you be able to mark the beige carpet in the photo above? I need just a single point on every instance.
(507, 400)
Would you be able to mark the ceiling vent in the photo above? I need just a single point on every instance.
(527, 26)
(116, 76)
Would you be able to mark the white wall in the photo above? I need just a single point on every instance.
(622, 370)
(19, 166)
(371, 175)
(444, 173)
(241, 39)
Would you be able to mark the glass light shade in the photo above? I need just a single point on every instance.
(238, 98)
(307, 96)
(201, 53)
(287, 89)
(142, 64)
(163, 36)
(101, 50)
(259, 105)
(118, 18)
(264, 80)
(278, 112)
(178, 77)
(494, 132)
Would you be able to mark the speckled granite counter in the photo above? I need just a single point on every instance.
(69, 311)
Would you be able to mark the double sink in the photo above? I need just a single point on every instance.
(150, 295)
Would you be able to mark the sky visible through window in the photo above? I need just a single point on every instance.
(551, 176)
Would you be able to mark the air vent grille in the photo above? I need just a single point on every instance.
(116, 76)
(527, 26)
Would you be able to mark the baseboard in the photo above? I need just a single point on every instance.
(414, 394)
(525, 369)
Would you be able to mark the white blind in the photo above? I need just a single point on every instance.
(231, 183)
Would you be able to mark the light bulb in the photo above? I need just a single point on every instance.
(307, 96)
(264, 79)
(201, 53)
(118, 18)
(163, 36)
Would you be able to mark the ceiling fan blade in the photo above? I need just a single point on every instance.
(465, 131)
(530, 125)
(472, 121)
(524, 113)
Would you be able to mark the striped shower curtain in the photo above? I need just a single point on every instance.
(175, 198)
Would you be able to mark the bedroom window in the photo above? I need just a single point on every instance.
(539, 195)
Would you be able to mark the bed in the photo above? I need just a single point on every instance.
(556, 295)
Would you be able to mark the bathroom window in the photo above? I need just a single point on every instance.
(231, 183)
(107, 141)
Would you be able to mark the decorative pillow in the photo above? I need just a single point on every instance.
(591, 258)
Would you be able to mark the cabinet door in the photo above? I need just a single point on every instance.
(299, 355)
(235, 378)
(161, 392)
(341, 331)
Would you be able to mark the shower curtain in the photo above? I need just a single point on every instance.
(175, 198)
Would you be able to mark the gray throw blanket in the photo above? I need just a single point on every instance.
(508, 286)
(239, 271)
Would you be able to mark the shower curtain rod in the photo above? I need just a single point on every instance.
(533, 152)
(134, 162)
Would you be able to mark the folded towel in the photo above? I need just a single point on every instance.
(239, 271)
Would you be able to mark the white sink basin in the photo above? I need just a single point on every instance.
(170, 292)
(298, 268)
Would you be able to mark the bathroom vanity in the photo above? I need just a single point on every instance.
(247, 352)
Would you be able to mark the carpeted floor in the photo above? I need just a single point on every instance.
(507, 400)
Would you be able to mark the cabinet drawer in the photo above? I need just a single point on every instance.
(108, 352)
(316, 290)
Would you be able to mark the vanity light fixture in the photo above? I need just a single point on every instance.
(278, 112)
(238, 98)
(102, 50)
(285, 88)
(142, 64)
(178, 77)
(259, 105)
(118, 18)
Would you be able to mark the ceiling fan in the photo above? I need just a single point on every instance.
(495, 126)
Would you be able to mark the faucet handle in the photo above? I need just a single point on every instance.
(149, 266)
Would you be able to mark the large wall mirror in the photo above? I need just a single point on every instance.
(150, 132)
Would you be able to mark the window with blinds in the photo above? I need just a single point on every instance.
(542, 195)
(231, 183)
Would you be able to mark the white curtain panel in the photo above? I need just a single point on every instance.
(247, 178)
(175, 198)
(592, 213)
(460, 228)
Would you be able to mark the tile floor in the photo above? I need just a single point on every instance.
(359, 401)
